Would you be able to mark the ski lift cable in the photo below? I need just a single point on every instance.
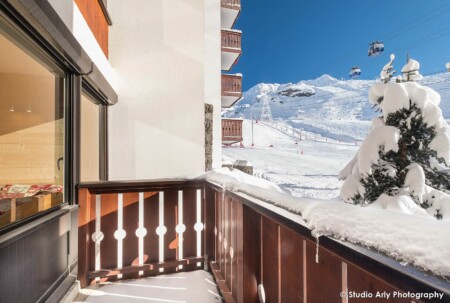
(388, 36)
(405, 48)
(418, 24)
(438, 34)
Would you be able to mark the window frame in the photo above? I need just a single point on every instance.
(101, 101)
(74, 85)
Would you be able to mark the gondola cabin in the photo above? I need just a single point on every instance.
(231, 131)
(354, 72)
(376, 48)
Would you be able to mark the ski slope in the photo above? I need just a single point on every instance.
(334, 115)
(306, 169)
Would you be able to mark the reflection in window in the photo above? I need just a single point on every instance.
(90, 140)
(31, 133)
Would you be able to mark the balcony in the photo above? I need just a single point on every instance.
(133, 230)
(231, 48)
(231, 89)
(231, 131)
(230, 10)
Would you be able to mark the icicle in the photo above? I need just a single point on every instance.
(317, 249)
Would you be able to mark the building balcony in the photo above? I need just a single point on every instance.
(136, 229)
(231, 89)
(230, 10)
(231, 48)
(231, 131)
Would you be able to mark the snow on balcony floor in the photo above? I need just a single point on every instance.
(196, 287)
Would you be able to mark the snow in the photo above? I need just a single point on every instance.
(233, 180)
(351, 187)
(394, 233)
(376, 92)
(386, 72)
(383, 136)
(448, 66)
(332, 123)
(395, 98)
(399, 203)
(441, 144)
(420, 241)
(308, 168)
(410, 71)
(415, 181)
(392, 97)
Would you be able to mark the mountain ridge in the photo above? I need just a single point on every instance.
(326, 106)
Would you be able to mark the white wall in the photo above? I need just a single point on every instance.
(213, 73)
(64, 10)
(157, 49)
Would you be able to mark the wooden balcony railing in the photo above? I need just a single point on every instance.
(231, 130)
(231, 3)
(231, 40)
(231, 85)
(135, 229)
(257, 247)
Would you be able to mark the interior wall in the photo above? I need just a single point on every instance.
(157, 50)
(29, 156)
(32, 127)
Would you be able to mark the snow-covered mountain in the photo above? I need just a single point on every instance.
(332, 108)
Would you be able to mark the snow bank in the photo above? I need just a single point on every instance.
(419, 240)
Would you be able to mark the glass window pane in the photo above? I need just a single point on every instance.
(31, 132)
(90, 141)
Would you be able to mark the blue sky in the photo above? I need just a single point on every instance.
(292, 40)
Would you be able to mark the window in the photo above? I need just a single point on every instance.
(32, 96)
(90, 140)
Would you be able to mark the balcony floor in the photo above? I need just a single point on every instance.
(196, 287)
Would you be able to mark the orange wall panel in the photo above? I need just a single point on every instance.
(95, 18)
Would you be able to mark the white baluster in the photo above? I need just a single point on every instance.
(141, 232)
(120, 233)
(97, 236)
(161, 230)
(180, 228)
(198, 227)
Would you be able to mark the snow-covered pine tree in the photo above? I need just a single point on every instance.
(403, 161)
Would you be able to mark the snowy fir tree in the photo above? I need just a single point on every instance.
(403, 162)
